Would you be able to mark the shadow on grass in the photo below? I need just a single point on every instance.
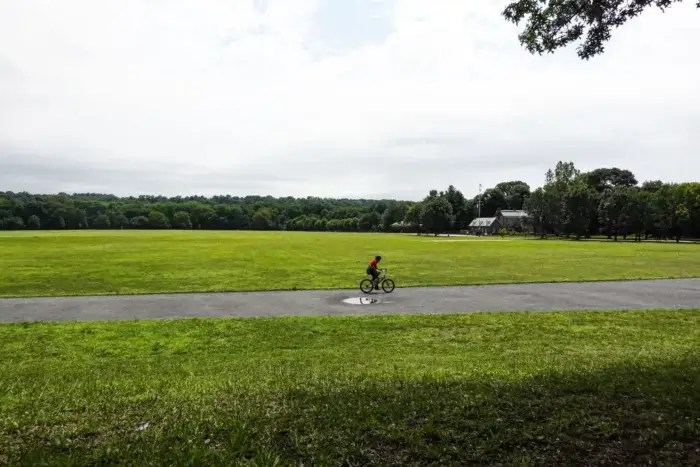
(631, 414)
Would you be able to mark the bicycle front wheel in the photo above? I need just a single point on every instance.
(366, 286)
(388, 285)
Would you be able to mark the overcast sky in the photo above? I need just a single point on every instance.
(356, 98)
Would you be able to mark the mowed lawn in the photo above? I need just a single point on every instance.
(522, 389)
(129, 262)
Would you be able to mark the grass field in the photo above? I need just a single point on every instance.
(547, 389)
(128, 262)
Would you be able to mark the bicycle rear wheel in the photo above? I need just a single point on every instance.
(388, 285)
(366, 286)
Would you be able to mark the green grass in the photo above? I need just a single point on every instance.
(129, 262)
(546, 389)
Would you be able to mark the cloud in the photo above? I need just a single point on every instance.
(301, 97)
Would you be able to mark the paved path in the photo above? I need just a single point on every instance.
(523, 297)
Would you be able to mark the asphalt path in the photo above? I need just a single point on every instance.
(674, 294)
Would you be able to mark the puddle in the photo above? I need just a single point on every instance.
(360, 301)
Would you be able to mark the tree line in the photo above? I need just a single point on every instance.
(20, 211)
(611, 202)
(98, 211)
(606, 201)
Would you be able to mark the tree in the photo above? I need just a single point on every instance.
(394, 212)
(320, 225)
(76, 219)
(492, 200)
(13, 223)
(232, 217)
(691, 195)
(208, 219)
(641, 213)
(603, 179)
(139, 222)
(181, 220)
(368, 221)
(101, 222)
(535, 206)
(613, 211)
(459, 207)
(413, 216)
(563, 175)
(350, 224)
(58, 222)
(544, 211)
(158, 220)
(334, 225)
(33, 222)
(652, 186)
(552, 198)
(263, 219)
(515, 193)
(673, 213)
(117, 220)
(552, 24)
(436, 215)
(579, 206)
(664, 210)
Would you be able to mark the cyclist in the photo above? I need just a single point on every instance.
(373, 270)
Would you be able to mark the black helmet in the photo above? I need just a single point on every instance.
(378, 258)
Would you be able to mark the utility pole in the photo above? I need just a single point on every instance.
(479, 202)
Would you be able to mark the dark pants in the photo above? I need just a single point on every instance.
(374, 273)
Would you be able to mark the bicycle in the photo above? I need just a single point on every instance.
(387, 285)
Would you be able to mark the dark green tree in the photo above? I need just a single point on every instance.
(614, 211)
(603, 179)
(58, 222)
(139, 222)
(641, 213)
(413, 217)
(515, 193)
(395, 212)
(368, 221)
(13, 223)
(263, 219)
(181, 220)
(563, 175)
(552, 24)
(459, 207)
(652, 186)
(492, 200)
(101, 222)
(33, 222)
(579, 207)
(691, 194)
(158, 220)
(674, 215)
(436, 215)
(117, 219)
(544, 211)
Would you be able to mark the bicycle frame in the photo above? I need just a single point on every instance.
(383, 274)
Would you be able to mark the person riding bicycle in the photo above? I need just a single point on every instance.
(373, 270)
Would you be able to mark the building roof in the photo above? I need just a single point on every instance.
(483, 222)
(513, 213)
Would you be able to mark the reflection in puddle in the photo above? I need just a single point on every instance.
(360, 301)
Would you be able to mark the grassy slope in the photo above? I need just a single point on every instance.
(485, 388)
(78, 263)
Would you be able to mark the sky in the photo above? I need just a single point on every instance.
(352, 98)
